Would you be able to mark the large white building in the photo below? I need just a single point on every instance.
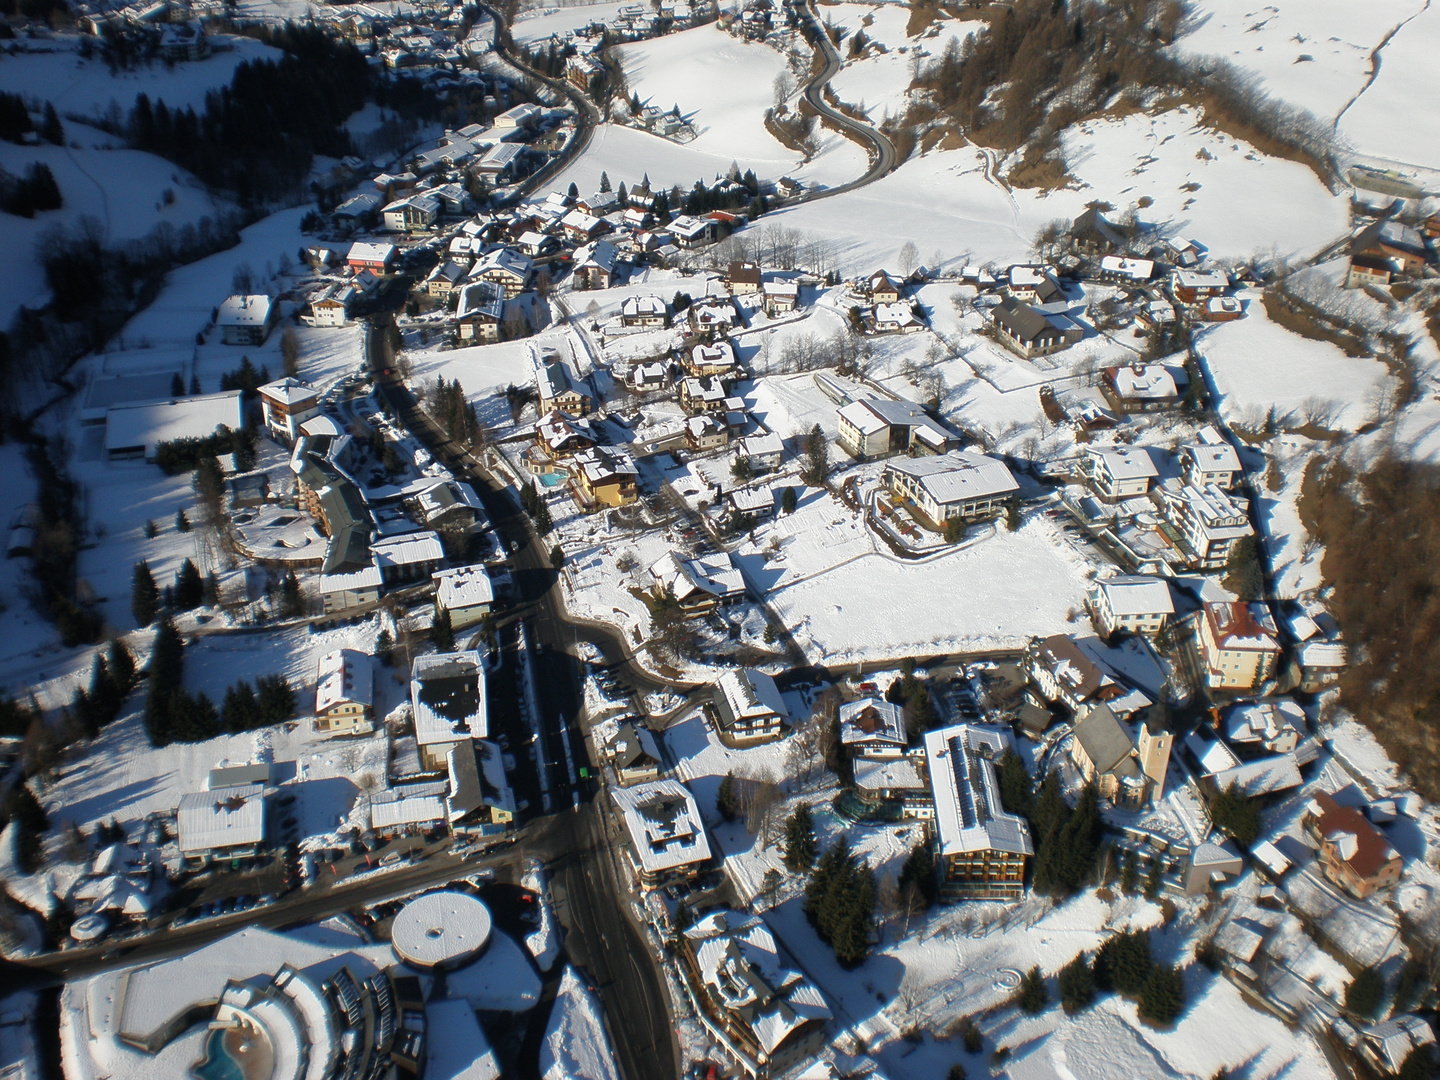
(667, 834)
(222, 823)
(748, 707)
(134, 430)
(448, 699)
(982, 848)
(961, 484)
(466, 592)
(1131, 604)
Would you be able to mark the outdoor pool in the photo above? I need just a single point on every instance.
(552, 479)
(218, 1064)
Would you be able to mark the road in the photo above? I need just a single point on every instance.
(883, 156)
(612, 948)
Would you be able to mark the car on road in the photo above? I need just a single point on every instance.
(391, 859)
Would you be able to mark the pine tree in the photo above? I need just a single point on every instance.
(442, 633)
(1152, 880)
(1365, 993)
(919, 871)
(167, 666)
(1129, 872)
(189, 588)
(276, 699)
(604, 181)
(51, 130)
(292, 602)
(1077, 984)
(800, 840)
(1015, 783)
(1162, 999)
(543, 524)
(1123, 963)
(122, 667)
(384, 645)
(182, 521)
(241, 711)
(1032, 996)
(144, 596)
(727, 799)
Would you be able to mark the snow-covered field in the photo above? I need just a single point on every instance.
(125, 191)
(878, 82)
(1256, 364)
(82, 87)
(539, 23)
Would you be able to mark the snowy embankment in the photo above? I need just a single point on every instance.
(544, 941)
(576, 1045)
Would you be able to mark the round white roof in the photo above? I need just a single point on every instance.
(440, 928)
(89, 927)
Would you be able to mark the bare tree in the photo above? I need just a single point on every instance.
(784, 86)
(909, 256)
(759, 797)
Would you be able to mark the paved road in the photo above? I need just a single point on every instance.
(883, 156)
(612, 949)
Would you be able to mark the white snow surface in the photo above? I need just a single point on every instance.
(576, 1045)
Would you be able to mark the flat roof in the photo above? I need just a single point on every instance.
(463, 587)
(666, 830)
(447, 693)
(144, 425)
(230, 817)
(445, 927)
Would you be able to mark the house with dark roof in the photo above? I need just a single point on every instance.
(634, 755)
(1353, 853)
(1092, 232)
(1127, 765)
(1030, 332)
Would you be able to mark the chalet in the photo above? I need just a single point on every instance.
(558, 389)
(1183, 252)
(331, 306)
(1320, 653)
(606, 476)
(780, 297)
(1140, 388)
(466, 592)
(767, 1013)
(285, 405)
(1196, 286)
(412, 214)
(595, 265)
(345, 693)
(881, 288)
(789, 188)
(1393, 240)
(411, 556)
(1131, 605)
(873, 427)
(374, 257)
(246, 320)
(1210, 463)
(479, 313)
(1029, 331)
(960, 484)
(537, 244)
(504, 267)
(690, 232)
(648, 312)
(637, 220)
(580, 227)
(873, 728)
(895, 319)
(703, 395)
(1368, 270)
(1127, 765)
(598, 204)
(717, 359)
(1353, 853)
(1094, 234)
(704, 433)
(743, 278)
(1156, 313)
(761, 453)
(981, 847)
(396, 184)
(1034, 285)
(633, 754)
(442, 280)
(646, 378)
(1269, 725)
(712, 317)
(1120, 271)
(1116, 473)
(1220, 309)
(1209, 522)
(1238, 644)
(560, 436)
(747, 707)
(697, 585)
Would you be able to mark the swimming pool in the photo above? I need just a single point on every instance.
(218, 1064)
(552, 479)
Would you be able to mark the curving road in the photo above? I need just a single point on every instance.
(883, 156)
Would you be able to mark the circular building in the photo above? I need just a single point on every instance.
(441, 930)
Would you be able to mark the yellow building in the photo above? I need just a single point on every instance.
(345, 693)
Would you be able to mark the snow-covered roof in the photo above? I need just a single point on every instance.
(231, 817)
(968, 812)
(244, 311)
(463, 1053)
(600, 254)
(748, 694)
(1202, 279)
(686, 577)
(957, 477)
(892, 774)
(1136, 269)
(447, 694)
(481, 298)
(581, 222)
(1132, 463)
(872, 721)
(1152, 382)
(409, 804)
(739, 963)
(407, 549)
(463, 587)
(503, 260)
(1131, 594)
(642, 307)
(289, 392)
(362, 251)
(717, 354)
(440, 928)
(666, 830)
(1263, 721)
(345, 676)
(1213, 457)
(1212, 755)
(765, 445)
(1279, 772)
(145, 425)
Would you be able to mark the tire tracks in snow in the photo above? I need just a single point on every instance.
(1375, 62)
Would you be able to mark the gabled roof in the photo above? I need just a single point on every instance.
(345, 676)
(872, 720)
(959, 476)
(1131, 463)
(1358, 843)
(969, 815)
(1107, 742)
(251, 310)
(1137, 595)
